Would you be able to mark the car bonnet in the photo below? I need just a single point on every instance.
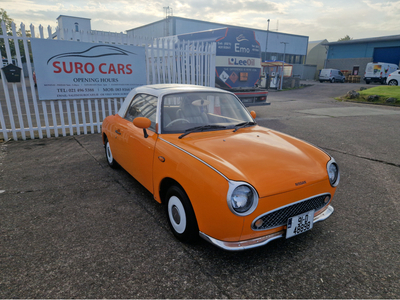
(270, 161)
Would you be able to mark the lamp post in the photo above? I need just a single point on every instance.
(266, 41)
(266, 73)
(283, 63)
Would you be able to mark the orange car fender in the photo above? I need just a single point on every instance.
(206, 189)
(106, 128)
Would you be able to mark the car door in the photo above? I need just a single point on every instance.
(135, 150)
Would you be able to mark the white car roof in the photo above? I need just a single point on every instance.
(164, 89)
(160, 89)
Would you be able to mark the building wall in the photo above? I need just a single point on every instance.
(348, 64)
(316, 55)
(296, 44)
(69, 23)
(355, 50)
(183, 26)
(156, 30)
(304, 72)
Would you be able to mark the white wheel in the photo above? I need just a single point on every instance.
(110, 158)
(176, 214)
(181, 217)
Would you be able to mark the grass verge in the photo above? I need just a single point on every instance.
(383, 92)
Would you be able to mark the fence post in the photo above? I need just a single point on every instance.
(30, 73)
(24, 93)
(213, 55)
(7, 95)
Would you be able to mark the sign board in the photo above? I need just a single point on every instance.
(77, 70)
(238, 55)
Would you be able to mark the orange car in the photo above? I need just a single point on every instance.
(220, 175)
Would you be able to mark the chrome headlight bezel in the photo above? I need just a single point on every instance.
(335, 180)
(233, 185)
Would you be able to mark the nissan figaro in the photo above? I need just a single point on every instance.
(221, 176)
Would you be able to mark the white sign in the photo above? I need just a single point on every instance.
(76, 70)
(224, 76)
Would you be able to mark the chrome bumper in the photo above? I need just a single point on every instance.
(260, 241)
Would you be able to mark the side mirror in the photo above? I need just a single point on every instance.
(144, 123)
(253, 114)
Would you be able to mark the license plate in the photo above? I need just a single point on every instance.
(299, 224)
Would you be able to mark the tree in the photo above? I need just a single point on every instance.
(8, 21)
(4, 17)
(346, 38)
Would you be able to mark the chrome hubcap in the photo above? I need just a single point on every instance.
(176, 215)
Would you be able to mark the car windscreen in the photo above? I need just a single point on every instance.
(180, 112)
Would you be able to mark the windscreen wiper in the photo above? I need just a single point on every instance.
(243, 124)
(201, 128)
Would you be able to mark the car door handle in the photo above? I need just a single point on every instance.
(117, 131)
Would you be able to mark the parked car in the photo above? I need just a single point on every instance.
(331, 75)
(393, 78)
(378, 72)
(221, 176)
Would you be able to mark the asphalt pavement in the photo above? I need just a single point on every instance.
(71, 227)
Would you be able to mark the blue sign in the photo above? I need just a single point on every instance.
(238, 56)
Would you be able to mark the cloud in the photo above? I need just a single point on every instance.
(318, 19)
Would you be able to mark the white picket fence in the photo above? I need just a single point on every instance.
(23, 115)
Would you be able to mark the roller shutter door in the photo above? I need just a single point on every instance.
(387, 55)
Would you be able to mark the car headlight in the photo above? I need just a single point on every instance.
(242, 198)
(333, 172)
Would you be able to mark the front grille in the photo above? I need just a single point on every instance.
(280, 216)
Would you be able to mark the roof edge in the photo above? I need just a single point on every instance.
(222, 26)
(373, 39)
(72, 17)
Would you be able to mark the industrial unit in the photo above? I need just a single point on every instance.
(354, 55)
(316, 56)
(274, 45)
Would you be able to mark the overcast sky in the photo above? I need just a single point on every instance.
(318, 19)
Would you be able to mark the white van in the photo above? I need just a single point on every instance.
(5, 62)
(332, 75)
(378, 72)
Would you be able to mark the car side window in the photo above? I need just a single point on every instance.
(143, 105)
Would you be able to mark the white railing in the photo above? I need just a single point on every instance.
(23, 115)
(172, 61)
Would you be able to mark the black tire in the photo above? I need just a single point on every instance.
(393, 82)
(109, 157)
(333, 80)
(321, 81)
(367, 81)
(343, 80)
(180, 214)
